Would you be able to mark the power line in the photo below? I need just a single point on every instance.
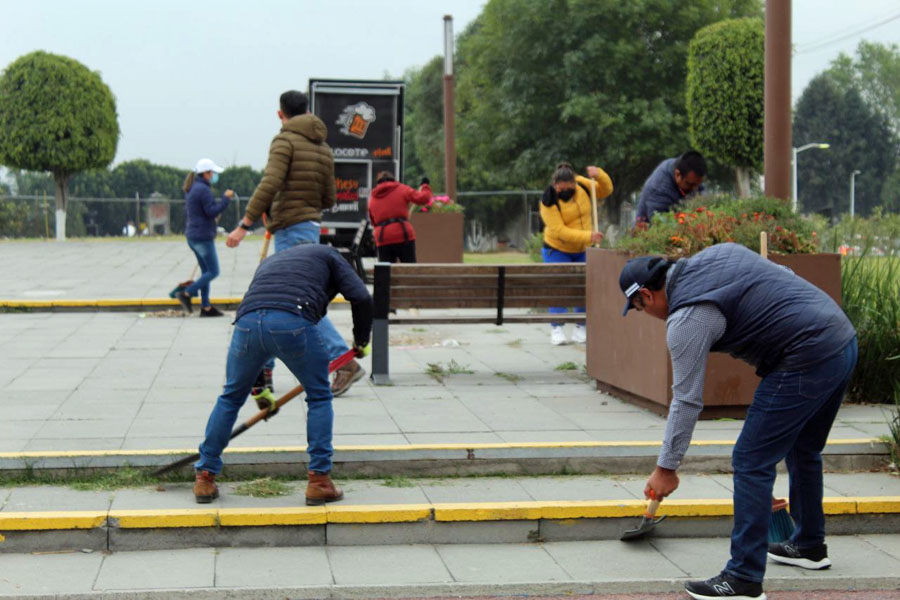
(825, 42)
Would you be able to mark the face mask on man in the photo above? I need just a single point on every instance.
(215, 178)
(566, 194)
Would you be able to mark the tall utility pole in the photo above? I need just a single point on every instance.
(777, 136)
(449, 131)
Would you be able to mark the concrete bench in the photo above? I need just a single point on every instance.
(400, 286)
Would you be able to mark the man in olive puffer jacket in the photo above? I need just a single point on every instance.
(297, 185)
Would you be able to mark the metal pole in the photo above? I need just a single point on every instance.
(794, 179)
(449, 127)
(853, 193)
(777, 91)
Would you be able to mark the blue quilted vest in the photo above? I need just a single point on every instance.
(776, 321)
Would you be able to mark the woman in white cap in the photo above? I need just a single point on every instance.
(201, 210)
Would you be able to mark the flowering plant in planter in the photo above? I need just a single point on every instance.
(703, 222)
(438, 205)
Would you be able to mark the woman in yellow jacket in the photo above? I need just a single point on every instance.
(566, 213)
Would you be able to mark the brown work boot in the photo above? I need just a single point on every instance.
(205, 488)
(321, 489)
(345, 377)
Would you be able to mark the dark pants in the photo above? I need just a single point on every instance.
(404, 252)
(790, 419)
(552, 255)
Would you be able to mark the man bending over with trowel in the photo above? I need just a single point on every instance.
(277, 318)
(729, 299)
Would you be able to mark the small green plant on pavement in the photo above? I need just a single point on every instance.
(398, 481)
(566, 366)
(511, 377)
(516, 343)
(263, 488)
(438, 372)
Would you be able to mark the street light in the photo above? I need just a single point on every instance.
(797, 151)
(853, 192)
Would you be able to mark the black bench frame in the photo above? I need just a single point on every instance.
(470, 286)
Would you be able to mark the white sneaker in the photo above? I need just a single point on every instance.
(579, 336)
(557, 335)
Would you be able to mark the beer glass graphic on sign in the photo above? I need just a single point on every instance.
(355, 119)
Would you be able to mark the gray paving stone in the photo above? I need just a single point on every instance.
(19, 430)
(62, 444)
(46, 497)
(573, 488)
(84, 428)
(188, 568)
(610, 561)
(384, 491)
(356, 565)
(456, 437)
(889, 544)
(498, 563)
(481, 489)
(272, 567)
(862, 484)
(691, 487)
(27, 574)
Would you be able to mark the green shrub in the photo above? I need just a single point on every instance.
(709, 220)
(534, 245)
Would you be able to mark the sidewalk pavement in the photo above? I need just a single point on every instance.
(560, 568)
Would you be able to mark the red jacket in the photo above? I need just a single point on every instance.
(391, 200)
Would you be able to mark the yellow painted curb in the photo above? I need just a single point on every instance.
(150, 519)
(387, 448)
(489, 511)
(117, 302)
(378, 513)
(878, 505)
(598, 509)
(697, 508)
(43, 521)
(838, 505)
(260, 517)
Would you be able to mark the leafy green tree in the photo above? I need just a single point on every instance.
(875, 72)
(587, 81)
(726, 63)
(424, 124)
(56, 115)
(860, 138)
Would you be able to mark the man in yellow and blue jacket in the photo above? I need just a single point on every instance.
(566, 213)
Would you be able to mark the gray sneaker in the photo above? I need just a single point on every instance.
(345, 377)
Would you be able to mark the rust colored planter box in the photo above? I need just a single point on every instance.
(439, 237)
(628, 358)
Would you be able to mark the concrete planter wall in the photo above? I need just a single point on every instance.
(628, 356)
(439, 237)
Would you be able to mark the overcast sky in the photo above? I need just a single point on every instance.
(196, 80)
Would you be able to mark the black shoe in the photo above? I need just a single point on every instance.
(185, 299)
(724, 585)
(814, 558)
(260, 384)
(269, 381)
(211, 311)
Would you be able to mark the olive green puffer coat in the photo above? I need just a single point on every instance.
(299, 178)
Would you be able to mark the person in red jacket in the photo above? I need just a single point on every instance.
(389, 207)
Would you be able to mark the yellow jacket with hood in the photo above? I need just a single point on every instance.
(567, 223)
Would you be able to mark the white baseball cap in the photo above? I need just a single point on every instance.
(206, 164)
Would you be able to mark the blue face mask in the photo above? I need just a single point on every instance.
(215, 178)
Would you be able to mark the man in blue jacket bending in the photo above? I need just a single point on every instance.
(804, 348)
(673, 180)
(277, 318)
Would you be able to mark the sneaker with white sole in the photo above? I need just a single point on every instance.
(724, 585)
(579, 336)
(557, 335)
(814, 558)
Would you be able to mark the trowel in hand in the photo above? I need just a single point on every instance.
(648, 521)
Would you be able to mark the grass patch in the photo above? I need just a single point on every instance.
(516, 343)
(437, 370)
(566, 366)
(82, 480)
(419, 329)
(512, 377)
(398, 481)
(496, 330)
(496, 258)
(263, 488)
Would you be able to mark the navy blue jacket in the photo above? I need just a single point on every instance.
(201, 210)
(775, 320)
(303, 280)
(660, 192)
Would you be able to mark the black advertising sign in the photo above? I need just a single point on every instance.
(352, 182)
(361, 123)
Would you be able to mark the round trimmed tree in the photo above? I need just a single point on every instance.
(56, 115)
(726, 63)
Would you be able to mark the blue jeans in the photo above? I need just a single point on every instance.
(790, 419)
(205, 251)
(307, 232)
(552, 255)
(258, 336)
